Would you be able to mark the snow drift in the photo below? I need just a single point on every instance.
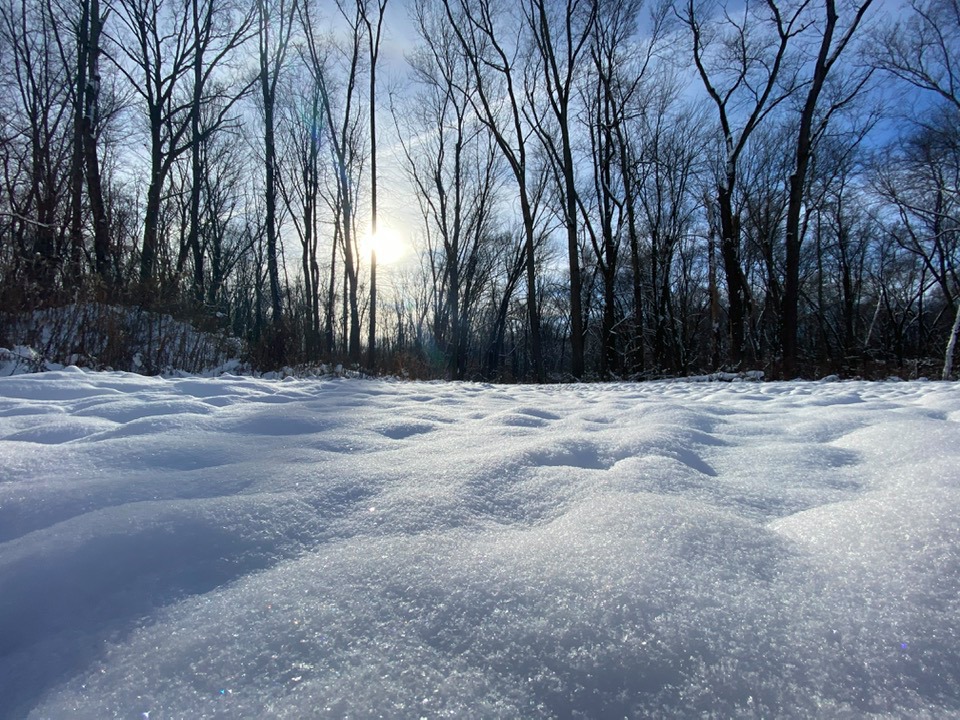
(236, 547)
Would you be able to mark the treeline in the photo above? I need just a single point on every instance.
(604, 188)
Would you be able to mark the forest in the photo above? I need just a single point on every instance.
(590, 189)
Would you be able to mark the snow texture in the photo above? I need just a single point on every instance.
(248, 548)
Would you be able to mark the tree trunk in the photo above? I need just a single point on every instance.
(573, 255)
(196, 171)
(76, 164)
(151, 213)
(330, 314)
(101, 227)
(951, 346)
(270, 219)
(372, 330)
(826, 58)
(736, 282)
(353, 349)
(714, 300)
(533, 312)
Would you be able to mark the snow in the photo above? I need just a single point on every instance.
(241, 547)
(111, 337)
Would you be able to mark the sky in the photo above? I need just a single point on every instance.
(280, 548)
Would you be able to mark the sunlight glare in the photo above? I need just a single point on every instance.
(388, 243)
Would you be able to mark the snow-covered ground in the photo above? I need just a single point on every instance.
(244, 548)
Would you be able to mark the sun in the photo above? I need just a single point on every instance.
(389, 245)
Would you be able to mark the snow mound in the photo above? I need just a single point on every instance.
(239, 547)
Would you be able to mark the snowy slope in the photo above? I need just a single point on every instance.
(244, 548)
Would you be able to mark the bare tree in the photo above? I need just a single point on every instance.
(275, 24)
(159, 50)
(455, 169)
(94, 114)
(300, 179)
(669, 156)
(39, 120)
(742, 67)
(617, 94)
(604, 220)
(227, 214)
(813, 123)
(843, 232)
(373, 27)
(919, 181)
(560, 31)
(90, 130)
(644, 100)
(214, 37)
(492, 49)
(923, 49)
(342, 120)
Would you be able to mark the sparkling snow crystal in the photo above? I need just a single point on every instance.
(247, 548)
